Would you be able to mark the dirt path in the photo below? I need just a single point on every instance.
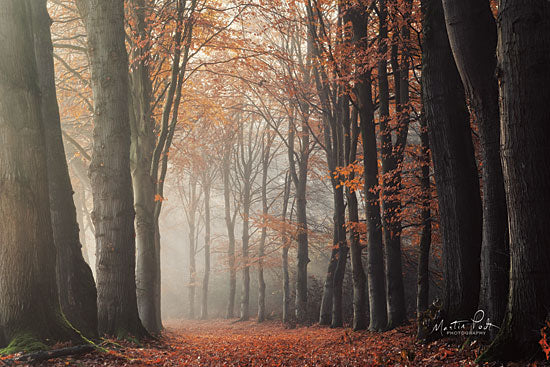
(224, 343)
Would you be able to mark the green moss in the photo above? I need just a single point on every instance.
(24, 342)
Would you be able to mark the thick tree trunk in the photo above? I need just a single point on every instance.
(472, 35)
(142, 147)
(206, 278)
(524, 77)
(29, 303)
(375, 255)
(325, 313)
(113, 213)
(75, 283)
(391, 185)
(454, 168)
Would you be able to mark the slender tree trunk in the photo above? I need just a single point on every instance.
(76, 286)
(245, 294)
(206, 278)
(142, 147)
(29, 303)
(423, 275)
(473, 38)
(230, 224)
(113, 213)
(455, 168)
(266, 149)
(523, 59)
(192, 213)
(286, 246)
(356, 249)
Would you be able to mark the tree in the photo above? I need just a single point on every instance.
(29, 303)
(375, 257)
(113, 213)
(472, 34)
(228, 150)
(392, 158)
(523, 56)
(75, 283)
(455, 168)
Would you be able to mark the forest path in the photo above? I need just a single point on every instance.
(229, 343)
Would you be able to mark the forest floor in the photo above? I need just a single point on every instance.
(227, 343)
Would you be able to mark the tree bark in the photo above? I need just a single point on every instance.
(523, 59)
(472, 34)
(29, 303)
(113, 213)
(245, 293)
(192, 245)
(454, 167)
(206, 278)
(75, 282)
(375, 255)
(230, 225)
(266, 157)
(142, 147)
(286, 246)
(423, 275)
(356, 248)
(391, 185)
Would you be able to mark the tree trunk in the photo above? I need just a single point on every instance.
(286, 246)
(29, 303)
(356, 249)
(230, 225)
(113, 213)
(142, 147)
(80, 208)
(375, 255)
(341, 259)
(325, 313)
(206, 278)
(392, 157)
(192, 213)
(245, 294)
(472, 35)
(423, 275)
(299, 178)
(523, 59)
(75, 283)
(266, 149)
(454, 168)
